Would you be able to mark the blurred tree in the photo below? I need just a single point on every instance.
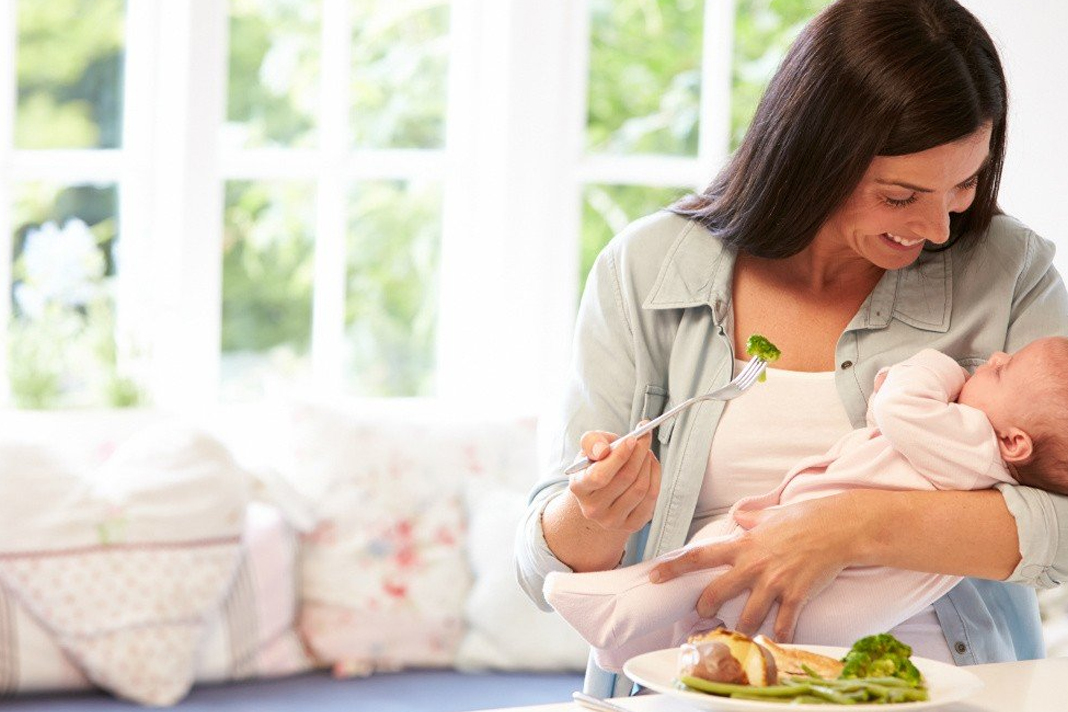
(70, 55)
(399, 67)
(645, 76)
(763, 31)
(644, 96)
(394, 252)
(268, 266)
(62, 342)
(274, 73)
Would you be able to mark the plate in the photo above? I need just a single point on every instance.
(657, 671)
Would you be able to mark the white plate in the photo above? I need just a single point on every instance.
(657, 671)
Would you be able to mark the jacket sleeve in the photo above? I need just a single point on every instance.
(598, 396)
(1040, 308)
(952, 446)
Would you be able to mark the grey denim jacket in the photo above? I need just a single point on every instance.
(654, 329)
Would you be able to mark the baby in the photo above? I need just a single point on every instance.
(929, 427)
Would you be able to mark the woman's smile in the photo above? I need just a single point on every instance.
(900, 244)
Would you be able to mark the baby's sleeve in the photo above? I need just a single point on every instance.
(952, 445)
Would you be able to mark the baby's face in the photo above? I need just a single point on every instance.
(1005, 386)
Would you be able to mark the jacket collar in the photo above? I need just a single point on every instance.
(698, 271)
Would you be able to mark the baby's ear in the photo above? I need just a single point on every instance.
(1016, 446)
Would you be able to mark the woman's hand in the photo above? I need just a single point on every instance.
(618, 491)
(788, 554)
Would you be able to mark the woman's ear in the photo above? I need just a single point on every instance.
(1016, 446)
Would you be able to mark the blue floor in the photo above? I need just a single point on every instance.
(409, 691)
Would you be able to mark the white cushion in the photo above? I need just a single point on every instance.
(505, 630)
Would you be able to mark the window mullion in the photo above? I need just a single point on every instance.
(717, 55)
(8, 39)
(331, 222)
(187, 195)
(136, 301)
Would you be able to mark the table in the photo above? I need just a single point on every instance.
(1031, 686)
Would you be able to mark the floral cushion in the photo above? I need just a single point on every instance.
(385, 573)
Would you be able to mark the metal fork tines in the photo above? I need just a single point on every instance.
(735, 388)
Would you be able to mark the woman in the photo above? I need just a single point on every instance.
(856, 225)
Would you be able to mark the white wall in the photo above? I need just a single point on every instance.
(1032, 37)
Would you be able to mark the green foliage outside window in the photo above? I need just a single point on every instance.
(391, 313)
(274, 73)
(399, 68)
(645, 75)
(61, 340)
(645, 60)
(268, 273)
(70, 55)
(763, 31)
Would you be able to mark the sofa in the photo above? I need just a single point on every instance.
(346, 554)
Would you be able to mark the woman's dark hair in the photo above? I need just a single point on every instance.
(865, 78)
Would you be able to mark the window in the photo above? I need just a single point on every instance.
(222, 200)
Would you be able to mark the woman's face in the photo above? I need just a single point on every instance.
(904, 201)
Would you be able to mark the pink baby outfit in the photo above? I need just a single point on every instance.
(916, 438)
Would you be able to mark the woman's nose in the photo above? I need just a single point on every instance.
(934, 226)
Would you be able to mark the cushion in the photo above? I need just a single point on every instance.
(252, 633)
(505, 630)
(385, 575)
(123, 564)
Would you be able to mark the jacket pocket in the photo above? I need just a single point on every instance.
(655, 403)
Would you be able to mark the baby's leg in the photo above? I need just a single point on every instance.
(621, 613)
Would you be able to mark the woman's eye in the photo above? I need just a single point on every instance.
(900, 202)
(970, 183)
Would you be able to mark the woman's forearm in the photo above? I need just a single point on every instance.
(576, 541)
(959, 533)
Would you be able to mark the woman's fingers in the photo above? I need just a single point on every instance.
(594, 444)
(693, 558)
(786, 621)
(722, 589)
(644, 511)
(756, 609)
(614, 492)
(598, 475)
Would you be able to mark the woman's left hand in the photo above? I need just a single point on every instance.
(788, 554)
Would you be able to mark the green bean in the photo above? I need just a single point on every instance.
(760, 698)
(726, 688)
(884, 681)
(841, 691)
(808, 700)
(831, 695)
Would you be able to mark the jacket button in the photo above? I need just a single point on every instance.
(960, 647)
(847, 364)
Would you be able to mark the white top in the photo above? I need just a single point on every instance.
(763, 434)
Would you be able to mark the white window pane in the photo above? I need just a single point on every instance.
(399, 66)
(644, 82)
(268, 253)
(393, 250)
(274, 73)
(607, 209)
(70, 56)
(62, 350)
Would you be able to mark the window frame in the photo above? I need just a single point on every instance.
(513, 170)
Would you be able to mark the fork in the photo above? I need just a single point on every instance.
(735, 388)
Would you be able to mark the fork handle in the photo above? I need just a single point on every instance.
(637, 433)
